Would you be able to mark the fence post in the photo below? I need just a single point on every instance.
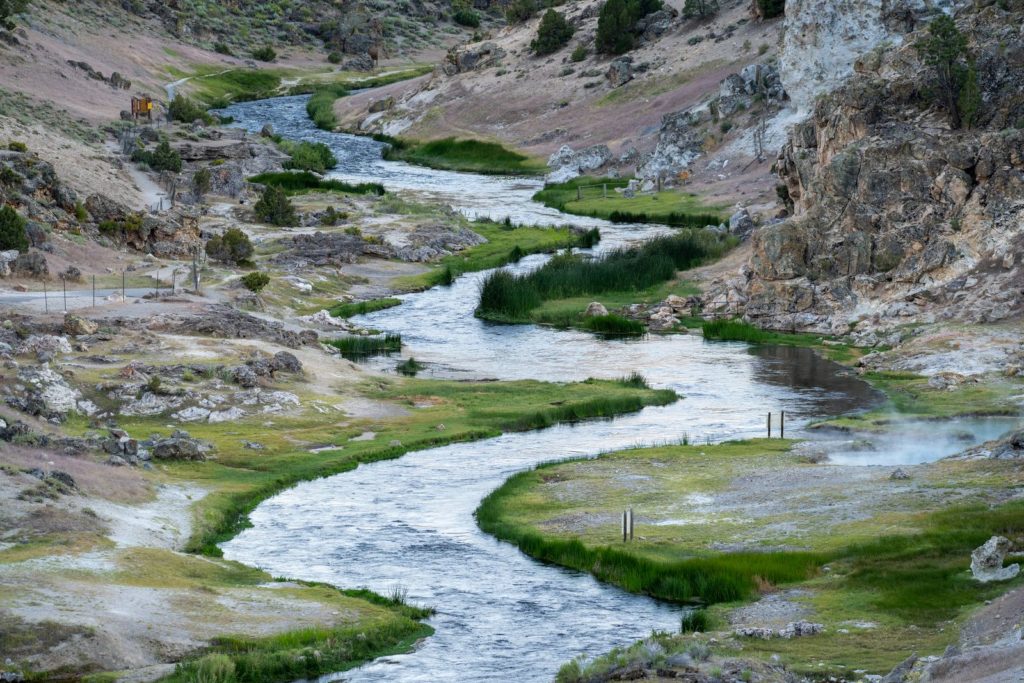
(769, 425)
(64, 284)
(94, 291)
(782, 425)
(46, 298)
(579, 193)
(623, 526)
(604, 190)
(631, 524)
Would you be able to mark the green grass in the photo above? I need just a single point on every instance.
(506, 297)
(475, 156)
(217, 90)
(357, 347)
(363, 307)
(597, 197)
(410, 367)
(613, 325)
(505, 244)
(299, 182)
(320, 106)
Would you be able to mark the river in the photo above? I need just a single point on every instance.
(409, 522)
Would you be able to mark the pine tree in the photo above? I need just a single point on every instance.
(614, 28)
(944, 50)
(552, 34)
(12, 230)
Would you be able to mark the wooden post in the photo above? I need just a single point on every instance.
(623, 526)
(195, 270)
(769, 425)
(579, 193)
(631, 524)
(604, 190)
(782, 425)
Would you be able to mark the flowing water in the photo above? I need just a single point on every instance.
(409, 522)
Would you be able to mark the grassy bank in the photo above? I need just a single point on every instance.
(898, 564)
(363, 307)
(600, 198)
(473, 156)
(216, 88)
(506, 297)
(505, 244)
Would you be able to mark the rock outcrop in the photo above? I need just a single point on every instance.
(897, 217)
(987, 561)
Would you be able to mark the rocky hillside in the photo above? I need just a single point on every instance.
(897, 216)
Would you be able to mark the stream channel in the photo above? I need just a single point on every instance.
(409, 522)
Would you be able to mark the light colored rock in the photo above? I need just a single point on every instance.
(987, 561)
(191, 414)
(741, 224)
(595, 309)
(231, 414)
(77, 325)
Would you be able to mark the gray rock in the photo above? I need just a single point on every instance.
(620, 72)
(595, 309)
(987, 561)
(286, 362)
(741, 224)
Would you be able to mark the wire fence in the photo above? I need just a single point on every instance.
(63, 298)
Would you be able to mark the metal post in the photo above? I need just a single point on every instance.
(174, 274)
(782, 425)
(631, 524)
(604, 190)
(195, 270)
(124, 297)
(46, 299)
(579, 193)
(94, 291)
(623, 526)
(769, 425)
(64, 284)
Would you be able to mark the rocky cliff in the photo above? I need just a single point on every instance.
(895, 216)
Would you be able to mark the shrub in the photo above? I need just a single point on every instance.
(614, 28)
(265, 54)
(409, 367)
(311, 156)
(275, 208)
(772, 8)
(520, 11)
(956, 82)
(552, 34)
(12, 231)
(466, 17)
(81, 215)
(223, 49)
(695, 621)
(9, 8)
(202, 180)
(185, 110)
(579, 53)
(700, 9)
(335, 57)
(15, 145)
(233, 247)
(164, 158)
(256, 281)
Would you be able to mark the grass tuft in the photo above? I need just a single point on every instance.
(614, 325)
(357, 347)
(409, 367)
(363, 307)
(474, 156)
(303, 181)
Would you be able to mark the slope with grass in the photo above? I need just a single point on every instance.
(896, 552)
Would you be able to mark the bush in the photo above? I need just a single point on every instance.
(15, 145)
(579, 53)
(255, 282)
(466, 17)
(310, 156)
(223, 49)
(700, 9)
(185, 110)
(163, 158)
(945, 50)
(614, 28)
(695, 621)
(264, 54)
(9, 8)
(202, 180)
(520, 11)
(772, 8)
(12, 231)
(335, 57)
(552, 34)
(275, 208)
(233, 247)
(409, 367)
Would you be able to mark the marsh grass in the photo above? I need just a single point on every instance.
(358, 347)
(298, 182)
(614, 325)
(409, 367)
(363, 307)
(320, 106)
(635, 380)
(599, 198)
(506, 297)
(734, 330)
(475, 156)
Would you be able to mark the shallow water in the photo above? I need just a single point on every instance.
(409, 522)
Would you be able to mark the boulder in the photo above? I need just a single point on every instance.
(620, 72)
(741, 224)
(76, 325)
(381, 105)
(595, 309)
(245, 376)
(228, 415)
(286, 362)
(267, 131)
(987, 561)
(32, 264)
(899, 475)
(180, 446)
